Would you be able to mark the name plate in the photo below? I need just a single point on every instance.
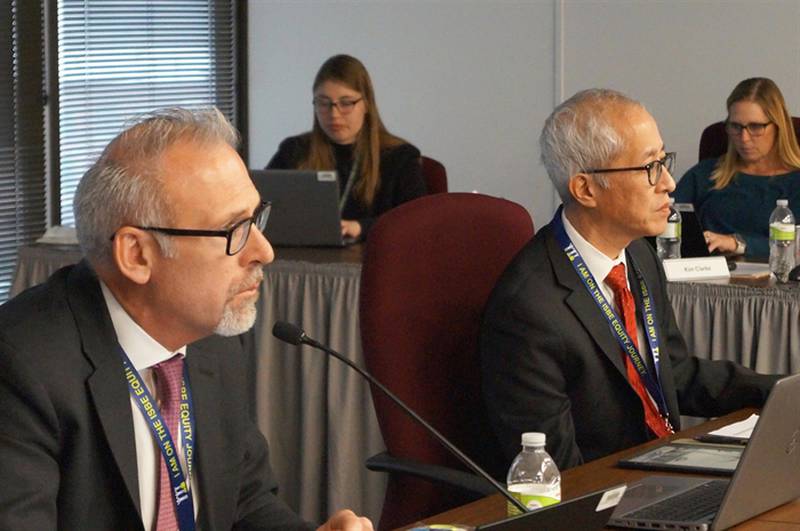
(696, 268)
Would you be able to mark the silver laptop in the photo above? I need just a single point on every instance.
(305, 207)
(766, 477)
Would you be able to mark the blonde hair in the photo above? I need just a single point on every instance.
(767, 95)
(372, 138)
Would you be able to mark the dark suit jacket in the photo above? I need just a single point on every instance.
(67, 454)
(551, 364)
(401, 176)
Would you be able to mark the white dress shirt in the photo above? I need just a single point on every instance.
(145, 352)
(600, 266)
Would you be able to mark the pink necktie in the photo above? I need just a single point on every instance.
(624, 299)
(169, 375)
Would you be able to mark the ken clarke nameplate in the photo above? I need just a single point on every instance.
(707, 268)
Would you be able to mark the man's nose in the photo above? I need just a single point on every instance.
(258, 248)
(667, 181)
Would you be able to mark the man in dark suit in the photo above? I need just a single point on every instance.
(122, 406)
(570, 330)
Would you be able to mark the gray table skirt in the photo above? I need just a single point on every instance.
(35, 263)
(757, 327)
(315, 411)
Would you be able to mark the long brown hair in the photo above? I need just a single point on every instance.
(372, 138)
(767, 95)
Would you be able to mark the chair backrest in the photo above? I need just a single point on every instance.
(435, 175)
(429, 267)
(714, 139)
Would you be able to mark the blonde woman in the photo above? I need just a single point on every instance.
(735, 194)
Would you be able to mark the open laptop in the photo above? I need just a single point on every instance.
(305, 207)
(693, 243)
(766, 477)
(587, 513)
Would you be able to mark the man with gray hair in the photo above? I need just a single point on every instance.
(579, 340)
(122, 404)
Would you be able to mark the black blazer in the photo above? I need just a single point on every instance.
(401, 176)
(67, 454)
(550, 362)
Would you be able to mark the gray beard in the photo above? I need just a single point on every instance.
(236, 321)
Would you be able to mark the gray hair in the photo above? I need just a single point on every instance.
(579, 135)
(125, 185)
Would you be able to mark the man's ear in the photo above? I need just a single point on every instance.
(134, 251)
(583, 189)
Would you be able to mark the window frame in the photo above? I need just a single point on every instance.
(52, 104)
(23, 211)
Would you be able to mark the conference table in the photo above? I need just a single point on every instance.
(317, 414)
(604, 473)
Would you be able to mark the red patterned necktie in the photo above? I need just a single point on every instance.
(616, 279)
(169, 375)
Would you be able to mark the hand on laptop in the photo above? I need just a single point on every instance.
(351, 229)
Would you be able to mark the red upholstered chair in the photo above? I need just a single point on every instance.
(435, 175)
(429, 267)
(714, 140)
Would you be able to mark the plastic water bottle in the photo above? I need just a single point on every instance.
(533, 478)
(781, 241)
(668, 243)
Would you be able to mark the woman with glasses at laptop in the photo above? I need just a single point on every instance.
(735, 194)
(377, 170)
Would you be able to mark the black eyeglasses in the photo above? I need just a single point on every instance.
(236, 236)
(326, 105)
(755, 128)
(653, 169)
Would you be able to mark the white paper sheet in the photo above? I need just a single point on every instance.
(741, 429)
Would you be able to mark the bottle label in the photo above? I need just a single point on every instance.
(673, 230)
(781, 231)
(531, 501)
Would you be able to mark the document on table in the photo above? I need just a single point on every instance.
(738, 431)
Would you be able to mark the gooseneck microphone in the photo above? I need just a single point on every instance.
(295, 335)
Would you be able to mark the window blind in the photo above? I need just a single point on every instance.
(118, 59)
(23, 208)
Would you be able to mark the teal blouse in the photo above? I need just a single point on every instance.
(742, 207)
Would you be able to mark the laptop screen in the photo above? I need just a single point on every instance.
(693, 243)
(305, 206)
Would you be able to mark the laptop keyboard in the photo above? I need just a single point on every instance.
(691, 505)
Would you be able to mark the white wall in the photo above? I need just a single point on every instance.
(682, 58)
(470, 82)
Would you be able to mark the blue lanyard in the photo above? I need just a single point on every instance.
(184, 506)
(618, 329)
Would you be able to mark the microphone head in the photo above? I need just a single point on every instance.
(288, 332)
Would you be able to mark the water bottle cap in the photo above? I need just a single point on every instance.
(533, 439)
(782, 202)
